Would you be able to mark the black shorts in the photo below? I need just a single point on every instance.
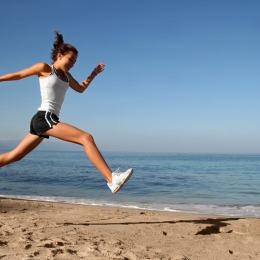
(43, 121)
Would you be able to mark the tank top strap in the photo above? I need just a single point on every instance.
(52, 70)
(67, 76)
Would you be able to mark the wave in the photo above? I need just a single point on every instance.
(221, 210)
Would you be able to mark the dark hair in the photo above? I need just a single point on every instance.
(61, 47)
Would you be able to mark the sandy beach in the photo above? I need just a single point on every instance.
(40, 230)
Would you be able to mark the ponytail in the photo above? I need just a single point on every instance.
(61, 47)
(58, 40)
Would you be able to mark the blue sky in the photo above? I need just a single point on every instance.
(181, 75)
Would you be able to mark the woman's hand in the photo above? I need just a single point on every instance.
(99, 68)
(83, 86)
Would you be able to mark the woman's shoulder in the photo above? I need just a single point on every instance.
(43, 68)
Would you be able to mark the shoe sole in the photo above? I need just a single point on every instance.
(122, 184)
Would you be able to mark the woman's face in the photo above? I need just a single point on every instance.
(67, 61)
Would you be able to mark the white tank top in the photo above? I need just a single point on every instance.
(53, 91)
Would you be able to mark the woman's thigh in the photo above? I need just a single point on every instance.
(29, 143)
(67, 133)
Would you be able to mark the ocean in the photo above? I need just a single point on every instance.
(218, 184)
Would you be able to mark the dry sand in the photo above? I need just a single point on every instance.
(37, 230)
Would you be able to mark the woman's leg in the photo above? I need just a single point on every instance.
(26, 146)
(72, 134)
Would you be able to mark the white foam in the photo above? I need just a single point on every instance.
(225, 210)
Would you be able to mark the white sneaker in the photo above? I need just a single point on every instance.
(118, 179)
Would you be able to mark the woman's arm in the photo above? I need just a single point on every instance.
(83, 86)
(39, 69)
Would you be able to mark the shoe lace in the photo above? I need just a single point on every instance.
(117, 171)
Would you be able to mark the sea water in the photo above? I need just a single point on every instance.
(219, 184)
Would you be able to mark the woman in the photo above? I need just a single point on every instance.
(54, 82)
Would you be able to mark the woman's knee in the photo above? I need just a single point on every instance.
(88, 139)
(10, 157)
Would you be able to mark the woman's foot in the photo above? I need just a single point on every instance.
(119, 179)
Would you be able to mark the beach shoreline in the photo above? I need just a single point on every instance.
(46, 230)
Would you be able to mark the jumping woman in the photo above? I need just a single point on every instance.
(54, 80)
